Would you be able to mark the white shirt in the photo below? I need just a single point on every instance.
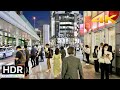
(106, 59)
(87, 50)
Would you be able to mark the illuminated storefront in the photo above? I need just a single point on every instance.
(101, 32)
(13, 27)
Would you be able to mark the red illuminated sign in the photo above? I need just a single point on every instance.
(114, 13)
(88, 23)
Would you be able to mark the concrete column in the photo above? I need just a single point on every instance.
(117, 51)
(30, 42)
(106, 36)
(17, 41)
(3, 39)
(92, 45)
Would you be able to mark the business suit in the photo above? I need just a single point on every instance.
(70, 67)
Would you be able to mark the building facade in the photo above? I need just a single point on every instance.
(102, 32)
(14, 30)
(63, 25)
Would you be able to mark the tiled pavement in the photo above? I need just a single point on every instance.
(39, 72)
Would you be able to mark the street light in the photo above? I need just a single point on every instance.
(34, 18)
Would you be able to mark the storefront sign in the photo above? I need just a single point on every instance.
(104, 18)
(114, 13)
(88, 23)
(100, 25)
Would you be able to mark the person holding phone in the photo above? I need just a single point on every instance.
(105, 61)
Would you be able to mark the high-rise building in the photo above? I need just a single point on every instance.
(46, 34)
(63, 25)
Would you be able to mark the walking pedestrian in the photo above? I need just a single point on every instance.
(48, 54)
(57, 63)
(33, 56)
(42, 54)
(27, 60)
(63, 53)
(71, 65)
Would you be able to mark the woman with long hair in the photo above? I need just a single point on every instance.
(105, 61)
(57, 63)
(63, 52)
(96, 63)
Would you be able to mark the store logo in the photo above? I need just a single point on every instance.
(105, 19)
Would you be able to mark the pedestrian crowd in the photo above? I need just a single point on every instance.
(65, 63)
(103, 57)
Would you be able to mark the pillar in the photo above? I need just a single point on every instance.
(117, 51)
(17, 41)
(106, 36)
(30, 42)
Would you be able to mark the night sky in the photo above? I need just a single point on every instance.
(42, 17)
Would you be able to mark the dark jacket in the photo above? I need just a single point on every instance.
(70, 68)
(63, 53)
(49, 54)
(33, 52)
(27, 54)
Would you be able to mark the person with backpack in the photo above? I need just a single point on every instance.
(42, 54)
(48, 54)
(20, 57)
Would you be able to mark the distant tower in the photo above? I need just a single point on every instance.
(46, 34)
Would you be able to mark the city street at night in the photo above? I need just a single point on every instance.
(60, 44)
